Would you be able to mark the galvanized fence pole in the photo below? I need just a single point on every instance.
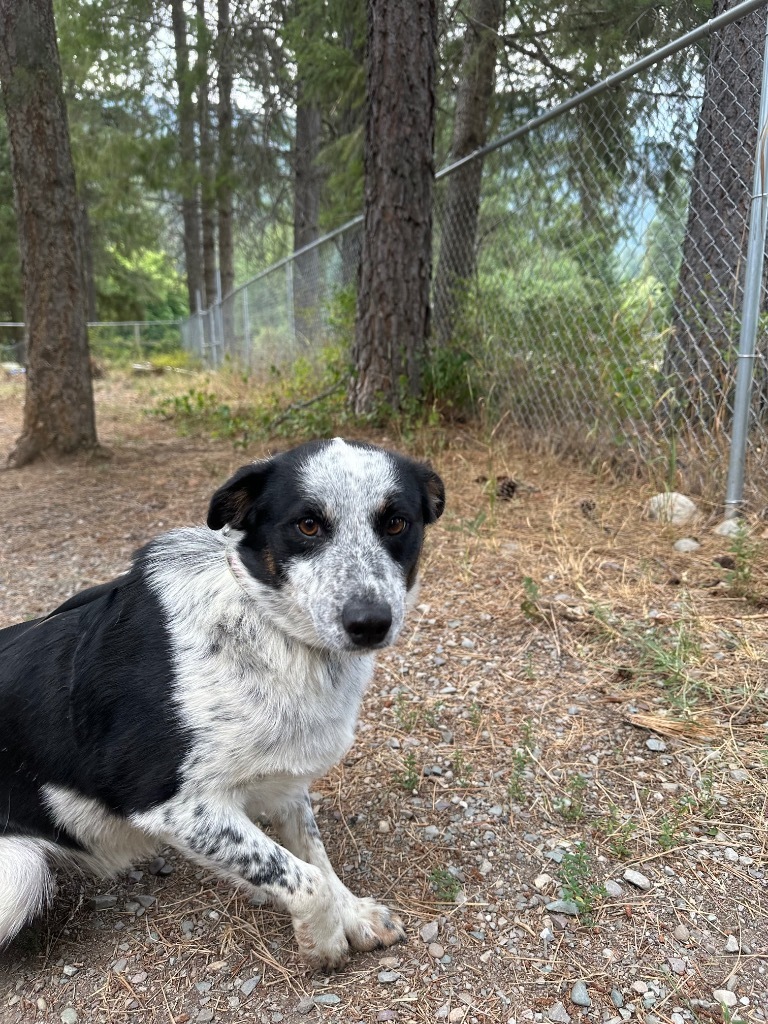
(753, 287)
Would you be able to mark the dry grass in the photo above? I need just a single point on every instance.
(559, 633)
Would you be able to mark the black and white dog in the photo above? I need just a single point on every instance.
(210, 685)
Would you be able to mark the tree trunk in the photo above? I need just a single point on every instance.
(460, 208)
(393, 302)
(306, 217)
(58, 410)
(207, 171)
(699, 361)
(224, 184)
(188, 171)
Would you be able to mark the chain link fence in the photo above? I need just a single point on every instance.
(589, 270)
(117, 341)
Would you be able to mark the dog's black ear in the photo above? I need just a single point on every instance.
(230, 504)
(433, 492)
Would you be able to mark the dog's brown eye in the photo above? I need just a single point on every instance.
(396, 525)
(309, 527)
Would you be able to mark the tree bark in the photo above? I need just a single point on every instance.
(207, 157)
(698, 364)
(224, 183)
(393, 301)
(188, 170)
(306, 216)
(58, 409)
(460, 208)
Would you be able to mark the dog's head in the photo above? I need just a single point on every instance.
(329, 538)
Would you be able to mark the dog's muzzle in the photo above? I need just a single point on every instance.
(366, 622)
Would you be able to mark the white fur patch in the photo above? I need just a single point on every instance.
(26, 884)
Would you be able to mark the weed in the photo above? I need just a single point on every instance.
(669, 834)
(530, 604)
(446, 886)
(432, 715)
(475, 715)
(462, 770)
(618, 833)
(410, 777)
(406, 713)
(744, 551)
(516, 781)
(571, 806)
(577, 882)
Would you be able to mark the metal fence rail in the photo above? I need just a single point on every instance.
(589, 269)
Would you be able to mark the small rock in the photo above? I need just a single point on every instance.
(68, 970)
(722, 995)
(204, 1016)
(677, 966)
(383, 826)
(686, 544)
(731, 945)
(386, 1015)
(656, 744)
(103, 902)
(579, 994)
(730, 855)
(305, 1005)
(69, 1015)
(42, 1005)
(467, 644)
(640, 987)
(327, 999)
(429, 931)
(485, 868)
(681, 933)
(457, 1014)
(559, 1014)
(617, 998)
(387, 977)
(249, 985)
(555, 855)
(637, 879)
(119, 965)
(145, 900)
(613, 889)
(563, 907)
(436, 950)
(730, 527)
(156, 865)
(671, 507)
(542, 881)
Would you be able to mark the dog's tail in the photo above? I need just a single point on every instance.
(26, 883)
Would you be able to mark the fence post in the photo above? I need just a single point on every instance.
(753, 286)
(246, 331)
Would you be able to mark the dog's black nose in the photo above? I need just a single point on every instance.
(366, 622)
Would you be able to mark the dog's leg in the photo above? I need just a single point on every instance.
(225, 839)
(26, 883)
(367, 924)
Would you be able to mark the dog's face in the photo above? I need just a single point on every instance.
(329, 539)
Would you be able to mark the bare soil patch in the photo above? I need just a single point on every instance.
(572, 699)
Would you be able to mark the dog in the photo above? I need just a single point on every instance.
(209, 686)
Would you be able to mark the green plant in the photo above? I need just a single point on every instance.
(409, 779)
(618, 833)
(744, 551)
(578, 883)
(462, 770)
(516, 781)
(475, 715)
(530, 604)
(432, 714)
(571, 805)
(445, 885)
(406, 713)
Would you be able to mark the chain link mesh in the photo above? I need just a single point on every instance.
(588, 274)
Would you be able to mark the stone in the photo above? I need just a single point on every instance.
(69, 1015)
(671, 507)
(613, 889)
(677, 966)
(732, 944)
(654, 743)
(722, 995)
(686, 545)
(457, 1014)
(103, 902)
(542, 881)
(429, 932)
(640, 987)
(204, 1016)
(436, 950)
(305, 1005)
(559, 1014)
(119, 965)
(387, 977)
(579, 994)
(637, 879)
(730, 527)
(386, 1015)
(681, 933)
(249, 985)
(327, 999)
(563, 907)
(617, 998)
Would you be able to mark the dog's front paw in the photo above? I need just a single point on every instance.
(323, 947)
(370, 925)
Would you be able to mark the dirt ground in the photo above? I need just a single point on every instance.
(560, 777)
